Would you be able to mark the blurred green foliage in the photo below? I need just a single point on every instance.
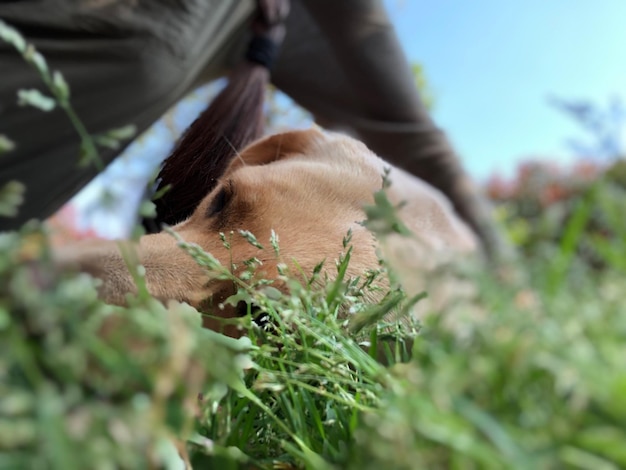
(87, 385)
(525, 377)
(427, 94)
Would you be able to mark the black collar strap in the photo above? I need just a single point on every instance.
(268, 29)
(263, 51)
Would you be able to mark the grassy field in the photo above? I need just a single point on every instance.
(529, 374)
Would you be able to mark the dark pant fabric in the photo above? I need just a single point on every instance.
(128, 61)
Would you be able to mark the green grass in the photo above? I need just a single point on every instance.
(525, 376)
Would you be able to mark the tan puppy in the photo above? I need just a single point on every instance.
(309, 187)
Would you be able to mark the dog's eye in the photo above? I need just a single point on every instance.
(218, 203)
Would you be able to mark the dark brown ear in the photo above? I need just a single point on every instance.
(277, 147)
(232, 121)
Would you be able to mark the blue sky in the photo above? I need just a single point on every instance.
(492, 64)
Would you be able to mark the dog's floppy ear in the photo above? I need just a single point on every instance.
(277, 147)
(232, 121)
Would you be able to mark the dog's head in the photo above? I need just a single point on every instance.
(309, 188)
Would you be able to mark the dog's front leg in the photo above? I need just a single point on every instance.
(103, 260)
(170, 273)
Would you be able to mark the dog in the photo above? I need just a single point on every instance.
(310, 187)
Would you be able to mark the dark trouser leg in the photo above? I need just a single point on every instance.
(343, 62)
(126, 63)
